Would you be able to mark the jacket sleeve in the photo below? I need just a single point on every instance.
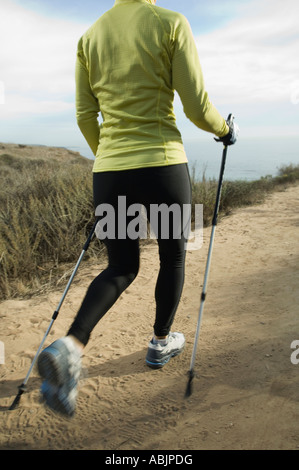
(188, 81)
(87, 106)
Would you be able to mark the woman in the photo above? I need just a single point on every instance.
(129, 63)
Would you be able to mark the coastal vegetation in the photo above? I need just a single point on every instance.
(46, 213)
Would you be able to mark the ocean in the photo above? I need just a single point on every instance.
(248, 159)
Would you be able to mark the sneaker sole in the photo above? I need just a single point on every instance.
(159, 365)
(49, 368)
(56, 404)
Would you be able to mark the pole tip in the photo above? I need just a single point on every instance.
(188, 392)
(16, 401)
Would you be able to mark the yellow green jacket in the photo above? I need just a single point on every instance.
(129, 63)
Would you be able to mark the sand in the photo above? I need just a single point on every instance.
(246, 389)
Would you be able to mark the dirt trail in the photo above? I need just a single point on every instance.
(246, 390)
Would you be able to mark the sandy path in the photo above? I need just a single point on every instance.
(246, 390)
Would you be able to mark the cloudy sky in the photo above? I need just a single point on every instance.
(248, 49)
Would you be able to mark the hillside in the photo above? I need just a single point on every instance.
(15, 155)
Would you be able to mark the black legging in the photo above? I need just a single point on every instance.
(147, 186)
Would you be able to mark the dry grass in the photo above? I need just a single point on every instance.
(46, 212)
(239, 193)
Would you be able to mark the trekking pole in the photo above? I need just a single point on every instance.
(204, 289)
(23, 386)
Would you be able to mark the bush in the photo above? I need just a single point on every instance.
(46, 213)
(45, 216)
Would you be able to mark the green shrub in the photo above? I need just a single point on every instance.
(46, 213)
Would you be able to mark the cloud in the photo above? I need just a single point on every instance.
(254, 57)
(250, 65)
(18, 104)
(37, 61)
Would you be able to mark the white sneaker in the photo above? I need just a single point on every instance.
(60, 365)
(158, 354)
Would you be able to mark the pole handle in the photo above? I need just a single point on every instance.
(230, 119)
(229, 122)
